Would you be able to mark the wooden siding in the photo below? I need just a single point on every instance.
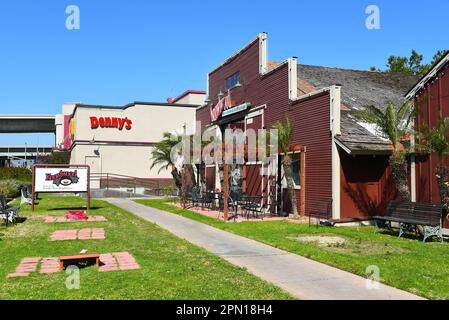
(311, 117)
(367, 185)
(432, 104)
(312, 130)
(203, 115)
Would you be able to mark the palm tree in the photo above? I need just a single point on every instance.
(393, 124)
(437, 140)
(285, 136)
(161, 156)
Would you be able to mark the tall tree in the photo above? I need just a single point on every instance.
(392, 124)
(412, 65)
(161, 156)
(285, 137)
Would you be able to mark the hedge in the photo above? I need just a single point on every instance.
(13, 173)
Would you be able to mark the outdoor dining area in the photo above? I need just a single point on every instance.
(239, 206)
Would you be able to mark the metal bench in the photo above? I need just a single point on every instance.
(410, 215)
(9, 214)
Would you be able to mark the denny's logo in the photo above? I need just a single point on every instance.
(110, 122)
(64, 178)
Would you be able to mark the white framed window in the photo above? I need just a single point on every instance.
(296, 170)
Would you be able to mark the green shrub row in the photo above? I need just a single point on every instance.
(10, 188)
(20, 174)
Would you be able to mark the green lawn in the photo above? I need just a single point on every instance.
(171, 268)
(408, 264)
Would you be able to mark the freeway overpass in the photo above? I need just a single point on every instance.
(29, 153)
(27, 124)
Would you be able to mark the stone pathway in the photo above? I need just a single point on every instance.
(30, 265)
(108, 262)
(117, 261)
(301, 277)
(51, 219)
(82, 234)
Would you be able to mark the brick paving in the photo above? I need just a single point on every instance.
(26, 266)
(51, 219)
(82, 234)
(108, 262)
(50, 265)
(117, 261)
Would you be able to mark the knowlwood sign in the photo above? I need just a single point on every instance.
(61, 179)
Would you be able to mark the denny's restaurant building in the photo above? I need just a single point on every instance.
(119, 140)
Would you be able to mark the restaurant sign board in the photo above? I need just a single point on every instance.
(236, 109)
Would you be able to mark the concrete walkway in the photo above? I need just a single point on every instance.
(301, 277)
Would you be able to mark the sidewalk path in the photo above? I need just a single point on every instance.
(301, 277)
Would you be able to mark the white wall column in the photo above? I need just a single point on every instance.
(335, 101)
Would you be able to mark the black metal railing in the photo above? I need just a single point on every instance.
(118, 181)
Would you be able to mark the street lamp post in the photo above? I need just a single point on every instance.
(25, 154)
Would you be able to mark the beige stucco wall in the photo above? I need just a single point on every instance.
(134, 161)
(117, 149)
(148, 123)
(193, 98)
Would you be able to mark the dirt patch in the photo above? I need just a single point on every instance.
(346, 245)
(323, 240)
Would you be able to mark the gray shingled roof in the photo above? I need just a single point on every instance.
(359, 140)
(359, 88)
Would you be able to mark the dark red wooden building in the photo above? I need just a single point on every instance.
(338, 160)
(431, 97)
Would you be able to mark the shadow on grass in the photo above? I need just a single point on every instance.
(74, 208)
(408, 235)
(10, 224)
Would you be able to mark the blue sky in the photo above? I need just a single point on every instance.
(140, 50)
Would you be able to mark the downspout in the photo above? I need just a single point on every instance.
(335, 102)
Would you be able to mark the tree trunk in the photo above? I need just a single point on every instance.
(176, 176)
(287, 165)
(184, 186)
(191, 173)
(399, 171)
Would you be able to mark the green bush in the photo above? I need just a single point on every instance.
(10, 188)
(12, 173)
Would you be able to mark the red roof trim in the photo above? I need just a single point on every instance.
(185, 94)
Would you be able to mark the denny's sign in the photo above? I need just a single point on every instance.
(110, 122)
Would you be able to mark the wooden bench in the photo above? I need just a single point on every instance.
(74, 259)
(410, 215)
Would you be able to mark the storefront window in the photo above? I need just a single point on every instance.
(232, 81)
(296, 169)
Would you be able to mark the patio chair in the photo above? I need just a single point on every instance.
(26, 196)
(8, 214)
(325, 213)
(252, 205)
(209, 199)
(231, 205)
(195, 197)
